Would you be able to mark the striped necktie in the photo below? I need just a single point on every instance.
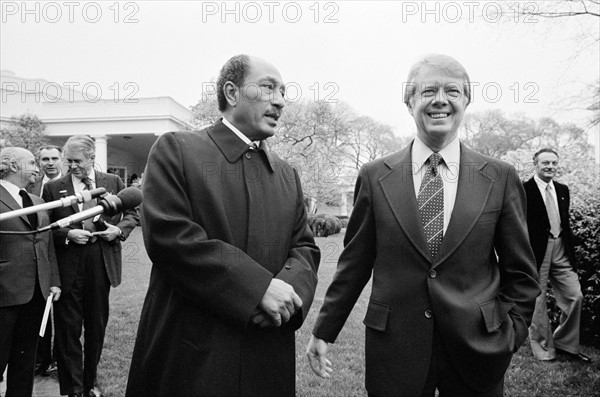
(431, 205)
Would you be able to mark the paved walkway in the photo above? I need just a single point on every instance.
(44, 386)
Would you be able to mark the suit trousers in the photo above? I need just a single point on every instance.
(84, 304)
(19, 328)
(443, 377)
(44, 349)
(567, 291)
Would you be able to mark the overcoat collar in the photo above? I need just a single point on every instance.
(474, 187)
(232, 146)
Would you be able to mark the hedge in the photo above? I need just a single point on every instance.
(585, 223)
(323, 225)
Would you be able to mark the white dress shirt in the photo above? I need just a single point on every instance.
(542, 186)
(78, 185)
(448, 169)
(239, 133)
(13, 190)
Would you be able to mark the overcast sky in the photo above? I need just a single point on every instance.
(358, 52)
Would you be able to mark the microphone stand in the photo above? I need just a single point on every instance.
(84, 196)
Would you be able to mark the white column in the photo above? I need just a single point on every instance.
(101, 153)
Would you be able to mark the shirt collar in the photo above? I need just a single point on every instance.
(450, 153)
(91, 175)
(11, 188)
(45, 179)
(232, 148)
(239, 133)
(542, 184)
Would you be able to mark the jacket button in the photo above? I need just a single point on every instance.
(248, 155)
(432, 274)
(428, 313)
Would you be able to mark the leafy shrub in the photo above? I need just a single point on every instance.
(585, 222)
(344, 220)
(323, 225)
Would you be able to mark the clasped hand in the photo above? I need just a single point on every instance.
(82, 236)
(277, 306)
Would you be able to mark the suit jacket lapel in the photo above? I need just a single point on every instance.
(474, 187)
(398, 188)
(10, 202)
(66, 183)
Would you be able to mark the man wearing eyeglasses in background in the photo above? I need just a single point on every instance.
(89, 263)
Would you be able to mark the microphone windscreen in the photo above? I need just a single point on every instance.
(130, 197)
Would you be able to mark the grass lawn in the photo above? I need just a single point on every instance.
(526, 376)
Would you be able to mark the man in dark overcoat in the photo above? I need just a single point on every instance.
(234, 261)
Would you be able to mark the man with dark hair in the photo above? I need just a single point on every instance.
(552, 242)
(89, 262)
(49, 158)
(442, 231)
(28, 271)
(234, 263)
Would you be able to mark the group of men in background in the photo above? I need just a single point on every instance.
(455, 244)
(77, 264)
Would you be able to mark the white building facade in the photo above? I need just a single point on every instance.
(123, 129)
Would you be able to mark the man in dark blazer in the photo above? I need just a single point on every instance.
(89, 263)
(28, 271)
(452, 300)
(234, 262)
(49, 159)
(552, 242)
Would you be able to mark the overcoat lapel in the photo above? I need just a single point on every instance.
(474, 188)
(398, 189)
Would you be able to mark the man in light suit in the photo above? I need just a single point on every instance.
(443, 231)
(234, 263)
(89, 263)
(552, 242)
(28, 271)
(49, 158)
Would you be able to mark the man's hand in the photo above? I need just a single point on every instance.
(111, 232)
(56, 292)
(277, 306)
(316, 352)
(79, 236)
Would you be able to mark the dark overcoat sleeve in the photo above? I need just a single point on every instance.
(211, 273)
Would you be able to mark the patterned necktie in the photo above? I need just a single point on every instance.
(553, 216)
(28, 203)
(88, 224)
(431, 205)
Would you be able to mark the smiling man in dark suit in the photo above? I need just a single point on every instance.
(89, 263)
(28, 271)
(442, 230)
(552, 242)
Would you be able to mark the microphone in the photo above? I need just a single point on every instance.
(111, 205)
(83, 197)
